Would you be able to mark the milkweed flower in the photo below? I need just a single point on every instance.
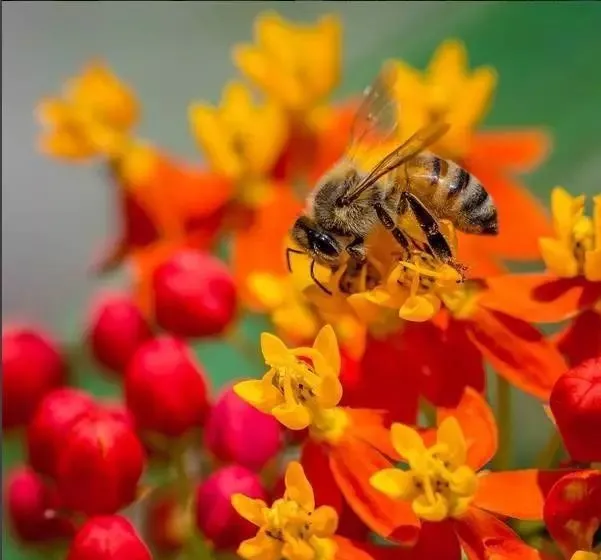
(293, 528)
(302, 390)
(446, 492)
(570, 288)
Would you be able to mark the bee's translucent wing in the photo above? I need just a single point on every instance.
(419, 141)
(375, 122)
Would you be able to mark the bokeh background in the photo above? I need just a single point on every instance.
(56, 217)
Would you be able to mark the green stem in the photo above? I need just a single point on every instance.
(546, 457)
(504, 455)
(429, 412)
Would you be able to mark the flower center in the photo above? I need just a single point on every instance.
(582, 240)
(439, 488)
(300, 379)
(422, 274)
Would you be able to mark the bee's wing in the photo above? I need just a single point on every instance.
(419, 141)
(375, 122)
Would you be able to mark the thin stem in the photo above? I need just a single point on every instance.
(547, 455)
(429, 412)
(504, 455)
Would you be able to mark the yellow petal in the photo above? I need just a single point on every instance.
(406, 440)
(326, 345)
(329, 391)
(249, 508)
(419, 308)
(583, 555)
(298, 488)
(449, 433)
(597, 221)
(297, 549)
(260, 547)
(292, 415)
(566, 210)
(478, 93)
(324, 521)
(436, 511)
(62, 144)
(269, 289)
(275, 352)
(558, 257)
(395, 483)
(324, 548)
(463, 481)
(592, 265)
(254, 393)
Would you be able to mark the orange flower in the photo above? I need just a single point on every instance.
(570, 288)
(448, 496)
(572, 513)
(449, 90)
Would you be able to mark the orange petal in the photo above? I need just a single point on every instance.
(517, 494)
(437, 541)
(476, 528)
(353, 462)
(478, 425)
(479, 257)
(540, 298)
(371, 427)
(347, 549)
(513, 549)
(517, 351)
(515, 150)
(316, 464)
(580, 340)
(522, 218)
(572, 511)
(260, 247)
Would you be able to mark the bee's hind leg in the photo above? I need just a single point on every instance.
(436, 240)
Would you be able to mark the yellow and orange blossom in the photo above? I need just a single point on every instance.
(576, 248)
(292, 528)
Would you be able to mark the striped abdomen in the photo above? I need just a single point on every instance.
(451, 193)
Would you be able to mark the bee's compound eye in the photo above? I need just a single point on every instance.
(324, 244)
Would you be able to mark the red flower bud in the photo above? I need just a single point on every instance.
(116, 329)
(576, 405)
(33, 508)
(215, 516)
(51, 423)
(165, 389)
(119, 412)
(194, 295)
(110, 537)
(100, 465)
(32, 366)
(167, 524)
(239, 433)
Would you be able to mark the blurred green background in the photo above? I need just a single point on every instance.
(56, 217)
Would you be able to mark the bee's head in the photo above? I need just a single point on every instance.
(317, 243)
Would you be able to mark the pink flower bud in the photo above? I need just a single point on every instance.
(116, 329)
(100, 465)
(110, 537)
(51, 423)
(194, 295)
(167, 524)
(33, 508)
(576, 405)
(237, 432)
(165, 389)
(32, 366)
(215, 516)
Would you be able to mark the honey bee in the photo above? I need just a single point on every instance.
(349, 202)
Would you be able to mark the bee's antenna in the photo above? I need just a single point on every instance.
(317, 282)
(288, 251)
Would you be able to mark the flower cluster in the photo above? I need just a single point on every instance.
(371, 421)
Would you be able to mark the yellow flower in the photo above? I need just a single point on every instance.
(582, 555)
(576, 249)
(448, 90)
(93, 117)
(289, 309)
(241, 139)
(292, 528)
(438, 483)
(301, 384)
(295, 65)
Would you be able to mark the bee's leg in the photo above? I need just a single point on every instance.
(357, 251)
(288, 251)
(436, 240)
(317, 282)
(390, 225)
